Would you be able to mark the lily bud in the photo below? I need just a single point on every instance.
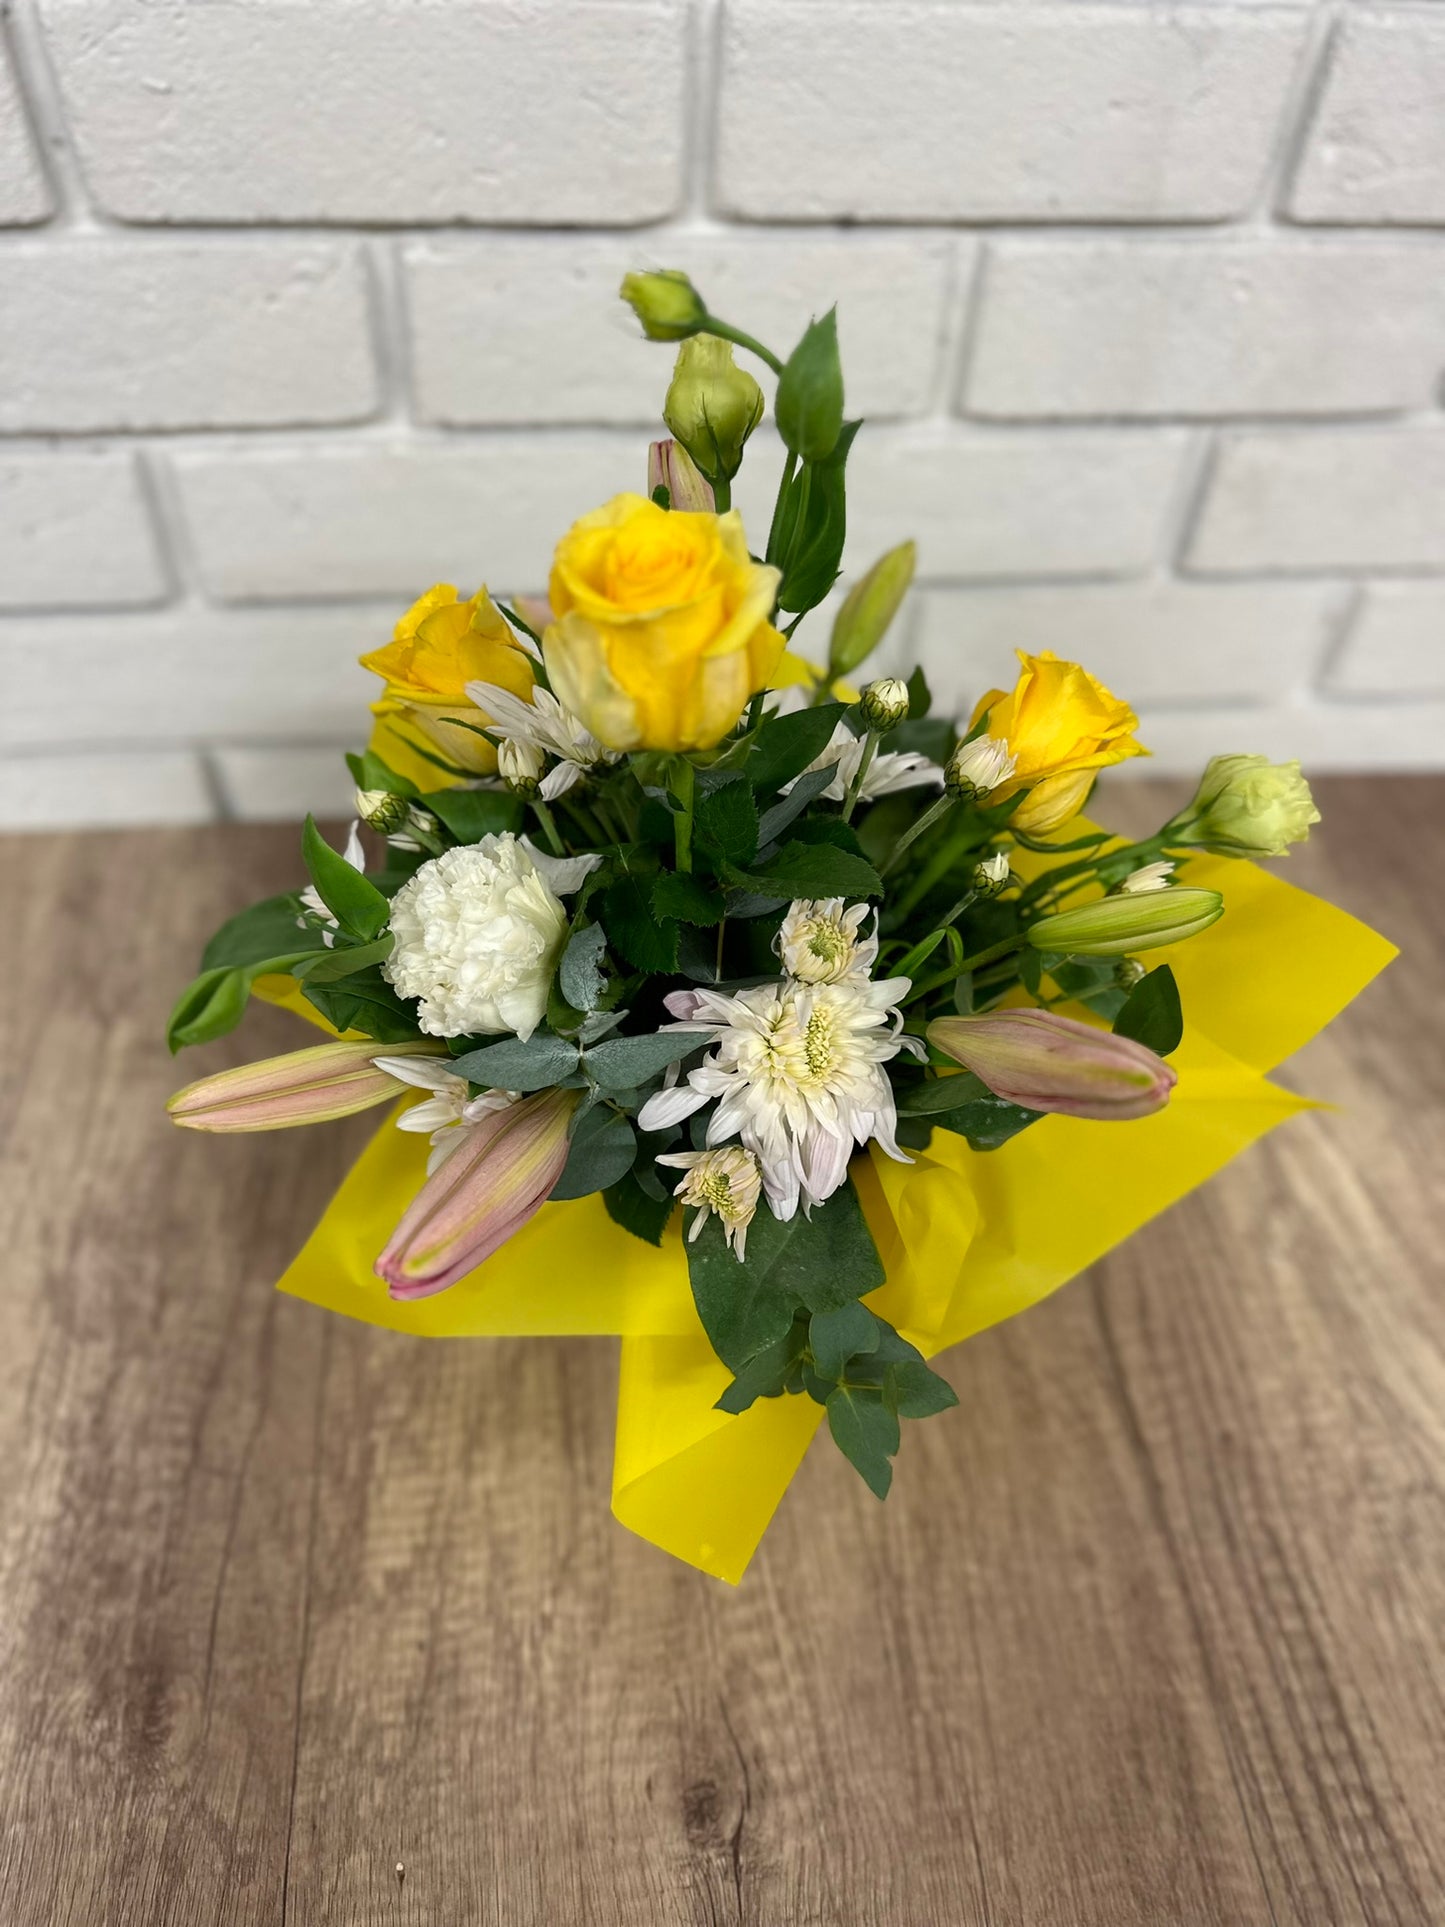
(304, 1087)
(1051, 1063)
(977, 768)
(670, 466)
(991, 877)
(381, 810)
(519, 765)
(665, 302)
(1116, 925)
(869, 606)
(1246, 806)
(885, 704)
(712, 406)
(487, 1189)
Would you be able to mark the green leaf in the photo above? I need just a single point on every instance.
(808, 405)
(369, 772)
(265, 930)
(830, 1258)
(727, 821)
(648, 942)
(536, 1065)
(622, 1063)
(836, 1336)
(601, 1154)
(364, 1002)
(327, 966)
(865, 1432)
(630, 1206)
(356, 904)
(742, 1306)
(817, 547)
(920, 697)
(213, 1003)
(942, 1093)
(1152, 1015)
(687, 898)
(787, 744)
(766, 1375)
(580, 972)
(805, 787)
(987, 1122)
(917, 1391)
(472, 814)
(813, 870)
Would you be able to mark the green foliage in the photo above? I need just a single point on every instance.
(636, 1210)
(727, 822)
(472, 814)
(326, 966)
(579, 974)
(357, 904)
(647, 941)
(623, 1063)
(364, 1002)
(686, 898)
(820, 530)
(786, 745)
(512, 1065)
(601, 1153)
(809, 404)
(813, 870)
(369, 772)
(269, 929)
(1151, 1014)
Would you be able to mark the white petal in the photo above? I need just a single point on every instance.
(353, 852)
(507, 711)
(670, 1107)
(561, 874)
(558, 780)
(427, 1073)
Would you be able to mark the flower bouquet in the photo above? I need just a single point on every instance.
(784, 1029)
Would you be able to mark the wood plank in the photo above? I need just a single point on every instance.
(1146, 1634)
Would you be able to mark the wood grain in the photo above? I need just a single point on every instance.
(1147, 1636)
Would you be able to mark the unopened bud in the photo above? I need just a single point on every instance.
(665, 302)
(1114, 926)
(1128, 972)
(991, 877)
(976, 769)
(381, 810)
(519, 765)
(304, 1087)
(670, 467)
(712, 406)
(885, 704)
(869, 606)
(1046, 1062)
(1246, 806)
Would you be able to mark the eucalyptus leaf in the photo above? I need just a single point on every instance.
(618, 1063)
(601, 1153)
(580, 971)
(512, 1065)
(865, 1432)
(836, 1336)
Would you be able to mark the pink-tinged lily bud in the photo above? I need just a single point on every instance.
(501, 1176)
(303, 1087)
(670, 466)
(1051, 1063)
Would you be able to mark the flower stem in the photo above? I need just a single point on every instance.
(549, 826)
(726, 332)
(870, 750)
(684, 788)
(722, 494)
(911, 835)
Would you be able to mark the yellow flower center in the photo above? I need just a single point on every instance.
(827, 942)
(818, 1043)
(715, 1190)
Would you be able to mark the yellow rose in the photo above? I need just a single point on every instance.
(660, 632)
(439, 646)
(1061, 727)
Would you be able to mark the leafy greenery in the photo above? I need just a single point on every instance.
(1152, 1015)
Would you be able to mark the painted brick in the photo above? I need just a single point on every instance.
(24, 192)
(186, 676)
(924, 111)
(270, 785)
(1377, 146)
(1198, 328)
(74, 530)
(1396, 645)
(1325, 499)
(1159, 643)
(529, 328)
(139, 332)
(377, 110)
(107, 788)
(1324, 736)
(377, 519)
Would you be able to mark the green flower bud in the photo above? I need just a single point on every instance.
(519, 765)
(885, 704)
(1128, 972)
(868, 608)
(381, 810)
(665, 302)
(991, 877)
(1116, 925)
(712, 406)
(1246, 806)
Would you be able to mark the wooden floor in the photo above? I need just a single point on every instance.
(1149, 1633)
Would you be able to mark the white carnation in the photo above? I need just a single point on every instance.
(476, 938)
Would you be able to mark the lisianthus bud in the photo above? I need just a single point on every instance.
(487, 1189)
(1149, 877)
(381, 810)
(519, 765)
(712, 406)
(1051, 1063)
(304, 1087)
(1116, 925)
(869, 606)
(885, 704)
(976, 768)
(665, 302)
(670, 466)
(991, 877)
(1246, 806)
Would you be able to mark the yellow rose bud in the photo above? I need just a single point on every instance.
(1246, 806)
(1061, 727)
(439, 646)
(712, 406)
(665, 302)
(661, 631)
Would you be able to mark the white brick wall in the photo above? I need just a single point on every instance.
(305, 306)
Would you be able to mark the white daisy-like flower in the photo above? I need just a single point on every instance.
(890, 769)
(726, 1182)
(448, 1114)
(821, 942)
(1151, 877)
(543, 725)
(477, 932)
(311, 896)
(799, 1071)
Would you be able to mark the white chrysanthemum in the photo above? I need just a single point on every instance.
(799, 1072)
(545, 726)
(727, 1182)
(820, 942)
(889, 770)
(1151, 877)
(448, 1114)
(477, 933)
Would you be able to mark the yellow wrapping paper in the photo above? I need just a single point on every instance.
(967, 1238)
